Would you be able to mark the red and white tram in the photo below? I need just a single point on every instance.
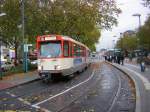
(60, 55)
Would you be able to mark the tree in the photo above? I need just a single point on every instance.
(9, 24)
(146, 3)
(79, 19)
(144, 35)
(128, 43)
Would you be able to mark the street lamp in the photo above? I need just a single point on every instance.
(24, 46)
(139, 16)
(121, 39)
(113, 42)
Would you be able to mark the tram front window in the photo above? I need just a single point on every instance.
(50, 49)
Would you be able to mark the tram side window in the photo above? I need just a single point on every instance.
(82, 51)
(66, 49)
(78, 51)
(71, 50)
(74, 50)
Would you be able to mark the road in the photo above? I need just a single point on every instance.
(101, 88)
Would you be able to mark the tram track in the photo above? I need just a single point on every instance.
(117, 93)
(38, 88)
(122, 80)
(99, 83)
(126, 94)
(112, 103)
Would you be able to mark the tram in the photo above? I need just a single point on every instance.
(60, 56)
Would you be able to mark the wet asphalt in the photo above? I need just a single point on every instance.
(107, 90)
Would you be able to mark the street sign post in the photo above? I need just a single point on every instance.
(25, 59)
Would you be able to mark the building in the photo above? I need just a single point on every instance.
(6, 52)
(129, 33)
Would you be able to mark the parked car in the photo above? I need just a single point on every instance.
(7, 66)
(33, 62)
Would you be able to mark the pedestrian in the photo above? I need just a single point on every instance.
(130, 57)
(110, 57)
(105, 58)
(122, 58)
(118, 59)
(142, 63)
(115, 59)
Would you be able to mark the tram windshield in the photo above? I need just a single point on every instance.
(50, 49)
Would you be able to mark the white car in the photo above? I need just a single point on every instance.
(7, 66)
(34, 62)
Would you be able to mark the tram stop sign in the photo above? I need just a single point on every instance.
(26, 47)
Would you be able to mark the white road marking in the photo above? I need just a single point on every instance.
(65, 91)
(12, 95)
(145, 80)
(23, 101)
(20, 99)
(8, 93)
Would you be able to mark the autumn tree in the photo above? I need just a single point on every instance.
(79, 19)
(128, 43)
(144, 35)
(146, 3)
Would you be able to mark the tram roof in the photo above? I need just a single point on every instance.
(70, 39)
(67, 38)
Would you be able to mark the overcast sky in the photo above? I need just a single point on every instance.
(125, 22)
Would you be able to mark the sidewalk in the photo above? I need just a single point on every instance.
(17, 79)
(136, 67)
(142, 86)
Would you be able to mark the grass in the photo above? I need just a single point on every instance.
(19, 69)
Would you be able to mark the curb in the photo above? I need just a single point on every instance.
(138, 95)
(21, 84)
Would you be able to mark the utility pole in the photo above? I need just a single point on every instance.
(22, 13)
(113, 42)
(139, 17)
(121, 40)
(24, 56)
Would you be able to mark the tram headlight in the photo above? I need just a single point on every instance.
(57, 67)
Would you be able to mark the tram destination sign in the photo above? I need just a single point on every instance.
(50, 38)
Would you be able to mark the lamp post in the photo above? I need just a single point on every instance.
(139, 17)
(24, 46)
(121, 40)
(113, 42)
